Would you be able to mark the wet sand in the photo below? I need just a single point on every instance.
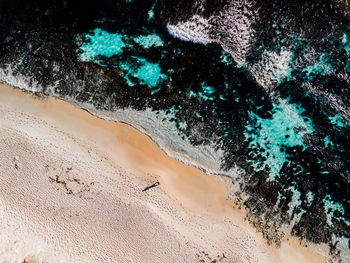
(72, 192)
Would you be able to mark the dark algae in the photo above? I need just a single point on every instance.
(266, 83)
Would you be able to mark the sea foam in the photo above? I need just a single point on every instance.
(157, 125)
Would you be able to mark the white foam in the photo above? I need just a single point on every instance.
(294, 203)
(342, 244)
(196, 30)
(233, 28)
(272, 68)
(7, 76)
(157, 126)
(164, 132)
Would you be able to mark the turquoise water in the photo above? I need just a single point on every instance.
(330, 207)
(150, 12)
(268, 137)
(283, 61)
(101, 43)
(205, 94)
(346, 43)
(207, 89)
(322, 67)
(226, 58)
(149, 41)
(337, 120)
(327, 142)
(106, 44)
(148, 73)
(287, 127)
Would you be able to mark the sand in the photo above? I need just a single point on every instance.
(71, 191)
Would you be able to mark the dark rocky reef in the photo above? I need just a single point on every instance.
(40, 40)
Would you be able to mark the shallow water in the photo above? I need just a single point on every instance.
(261, 88)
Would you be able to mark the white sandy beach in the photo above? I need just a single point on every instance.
(71, 191)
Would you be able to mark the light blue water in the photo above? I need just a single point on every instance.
(327, 142)
(101, 43)
(330, 207)
(284, 66)
(149, 41)
(151, 11)
(126, 66)
(322, 67)
(148, 73)
(226, 57)
(205, 94)
(287, 127)
(337, 120)
(107, 44)
(346, 43)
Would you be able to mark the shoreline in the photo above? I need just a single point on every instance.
(190, 208)
(204, 158)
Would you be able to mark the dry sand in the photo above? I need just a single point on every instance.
(71, 191)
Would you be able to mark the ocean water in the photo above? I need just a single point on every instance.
(101, 43)
(286, 128)
(257, 91)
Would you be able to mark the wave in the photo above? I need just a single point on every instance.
(255, 92)
(156, 125)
